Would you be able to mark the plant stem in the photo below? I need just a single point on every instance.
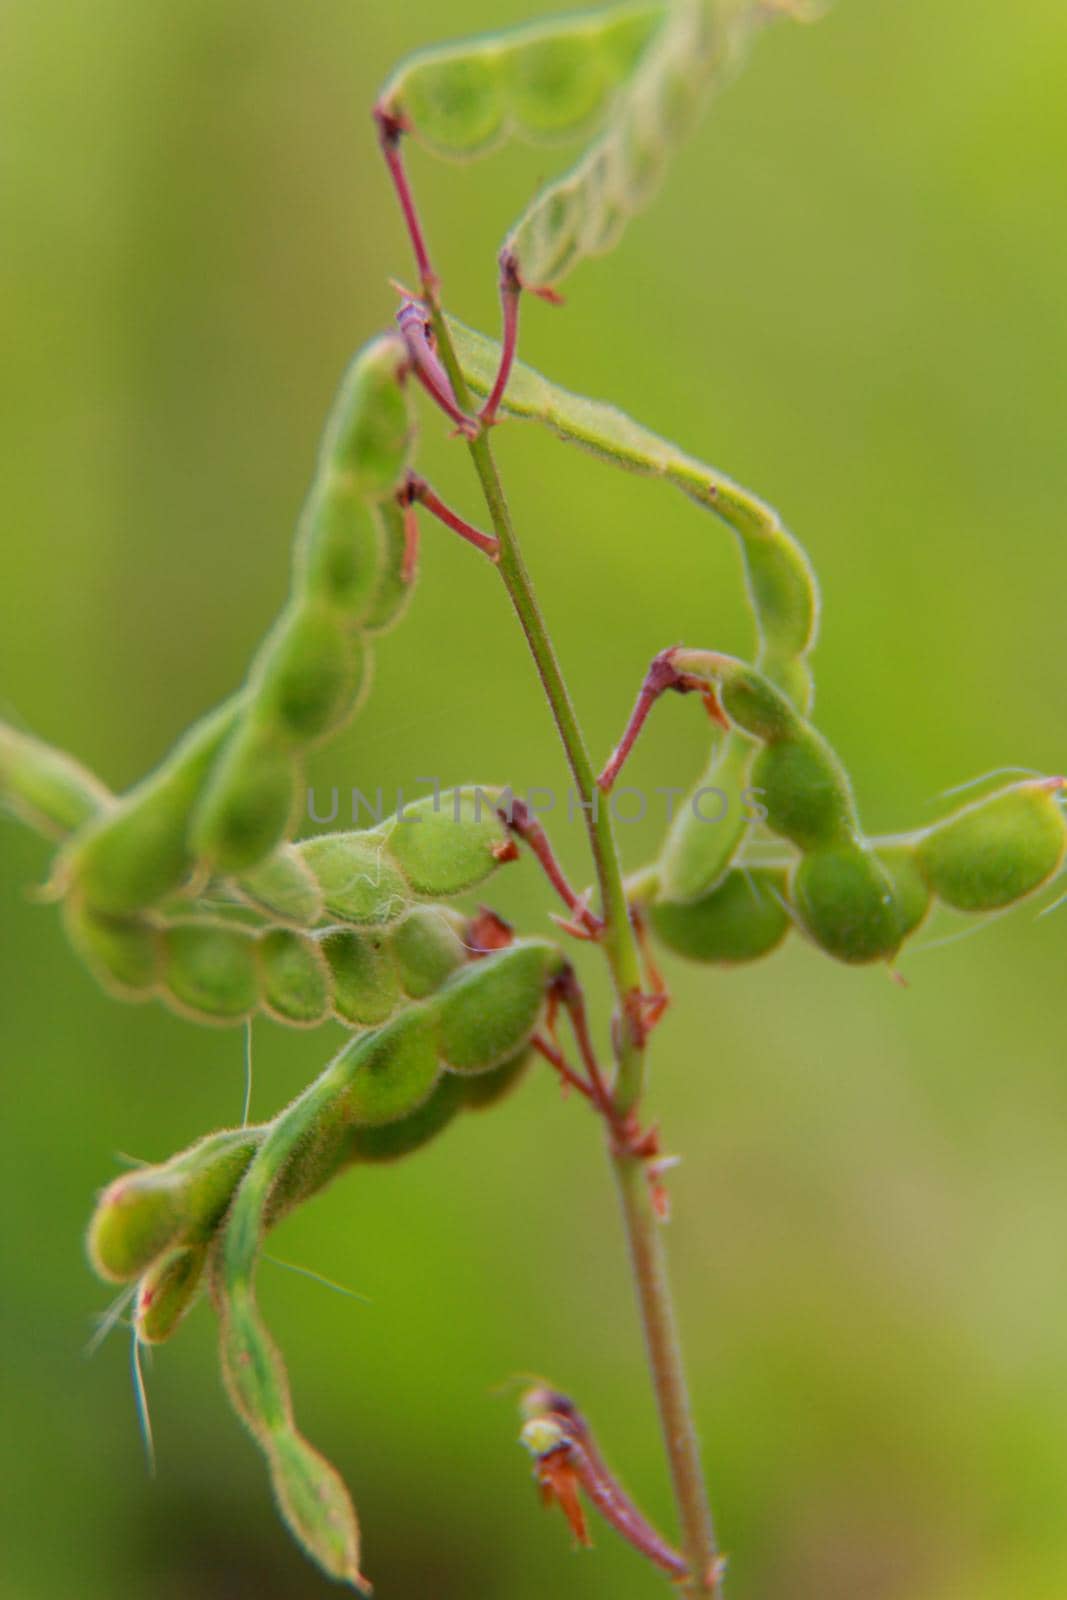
(647, 1254)
(649, 1261)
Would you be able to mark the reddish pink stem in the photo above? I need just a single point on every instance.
(391, 129)
(418, 492)
(660, 677)
(510, 290)
(417, 333)
(570, 993)
(410, 562)
(521, 820)
(555, 1058)
(600, 1484)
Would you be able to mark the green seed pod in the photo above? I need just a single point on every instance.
(370, 433)
(248, 805)
(137, 852)
(211, 970)
(284, 888)
(363, 973)
(342, 549)
(226, 798)
(446, 845)
(167, 1291)
(310, 1493)
(311, 677)
(46, 788)
(427, 947)
(145, 1213)
(487, 1012)
(802, 785)
(359, 882)
(805, 792)
(482, 1090)
(383, 1095)
(124, 954)
(437, 847)
(393, 591)
(996, 850)
(545, 82)
(843, 896)
(381, 1080)
(583, 214)
(911, 893)
(398, 1067)
(136, 1218)
(844, 899)
(743, 918)
(392, 1140)
(294, 977)
(751, 701)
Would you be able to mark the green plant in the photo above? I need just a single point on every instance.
(190, 889)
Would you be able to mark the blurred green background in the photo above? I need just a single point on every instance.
(851, 296)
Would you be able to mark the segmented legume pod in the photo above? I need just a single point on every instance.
(583, 214)
(478, 1021)
(227, 795)
(841, 894)
(542, 82)
(745, 917)
(44, 787)
(159, 1225)
(222, 971)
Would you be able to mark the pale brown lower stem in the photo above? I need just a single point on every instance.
(648, 1258)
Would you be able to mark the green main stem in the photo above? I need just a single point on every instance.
(643, 1228)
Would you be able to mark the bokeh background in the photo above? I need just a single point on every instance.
(851, 296)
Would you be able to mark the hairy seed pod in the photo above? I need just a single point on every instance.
(284, 889)
(478, 1021)
(220, 971)
(805, 791)
(211, 969)
(294, 977)
(487, 1012)
(583, 214)
(743, 918)
(377, 1081)
(549, 81)
(398, 1068)
(137, 851)
(392, 594)
(363, 975)
(143, 1214)
(227, 796)
(843, 896)
(46, 788)
(137, 1218)
(125, 954)
(436, 847)
(171, 1286)
(427, 946)
(997, 850)
(312, 676)
(911, 892)
(167, 1291)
